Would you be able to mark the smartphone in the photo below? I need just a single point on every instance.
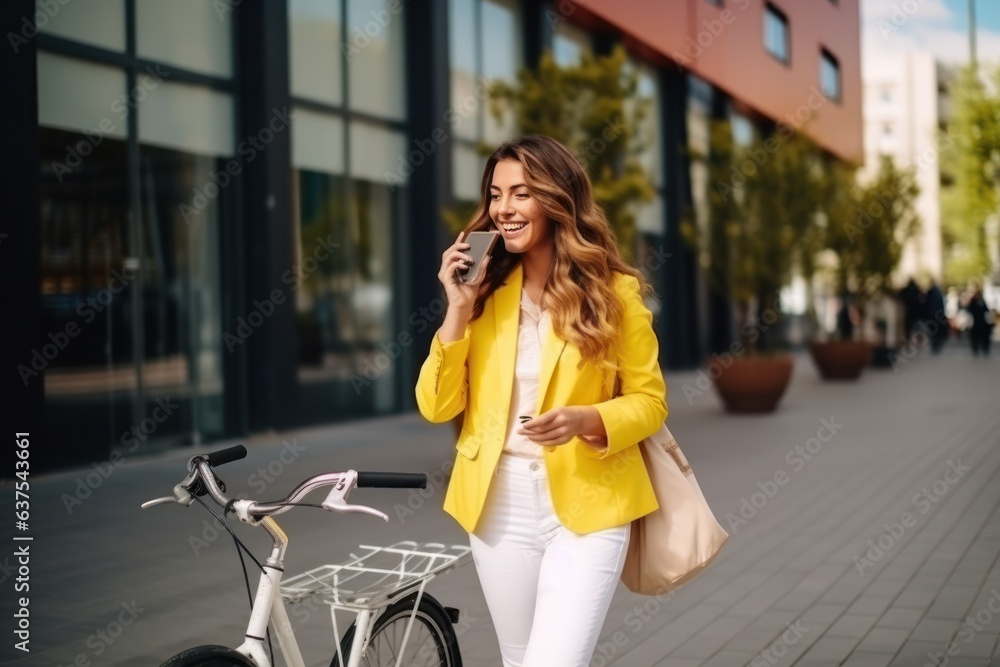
(480, 245)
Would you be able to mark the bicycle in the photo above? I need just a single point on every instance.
(388, 597)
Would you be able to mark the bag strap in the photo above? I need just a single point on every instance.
(671, 447)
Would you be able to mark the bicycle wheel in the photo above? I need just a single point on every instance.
(208, 656)
(432, 641)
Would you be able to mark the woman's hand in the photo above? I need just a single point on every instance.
(560, 425)
(460, 295)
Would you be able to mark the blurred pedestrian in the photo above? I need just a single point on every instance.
(846, 317)
(981, 330)
(936, 319)
(913, 305)
(548, 476)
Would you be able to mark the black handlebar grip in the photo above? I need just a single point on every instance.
(392, 480)
(226, 455)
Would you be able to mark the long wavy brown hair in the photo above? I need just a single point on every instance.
(579, 294)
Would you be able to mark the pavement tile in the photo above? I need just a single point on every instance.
(914, 653)
(859, 659)
(827, 648)
(934, 630)
(979, 645)
(852, 625)
(883, 640)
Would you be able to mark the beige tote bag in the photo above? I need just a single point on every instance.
(675, 543)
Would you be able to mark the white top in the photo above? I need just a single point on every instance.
(531, 330)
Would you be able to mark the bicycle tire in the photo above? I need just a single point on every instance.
(208, 656)
(430, 615)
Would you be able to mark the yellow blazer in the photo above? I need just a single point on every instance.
(591, 489)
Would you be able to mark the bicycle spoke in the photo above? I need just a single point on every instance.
(386, 646)
(395, 658)
(430, 636)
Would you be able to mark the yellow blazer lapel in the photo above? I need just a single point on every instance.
(506, 315)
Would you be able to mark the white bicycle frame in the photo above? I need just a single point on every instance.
(418, 564)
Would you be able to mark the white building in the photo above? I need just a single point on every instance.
(903, 109)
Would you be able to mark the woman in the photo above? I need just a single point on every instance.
(558, 315)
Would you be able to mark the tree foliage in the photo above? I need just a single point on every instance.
(867, 225)
(778, 205)
(973, 164)
(760, 224)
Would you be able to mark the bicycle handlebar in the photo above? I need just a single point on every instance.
(392, 480)
(200, 468)
(224, 456)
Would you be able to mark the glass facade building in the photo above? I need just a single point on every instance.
(226, 215)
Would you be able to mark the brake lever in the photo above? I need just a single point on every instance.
(340, 506)
(181, 496)
(336, 500)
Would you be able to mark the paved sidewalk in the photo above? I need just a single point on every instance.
(864, 521)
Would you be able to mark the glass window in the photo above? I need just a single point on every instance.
(186, 33)
(499, 29)
(466, 173)
(374, 53)
(569, 44)
(500, 41)
(347, 237)
(96, 22)
(463, 57)
(190, 118)
(649, 140)
(649, 216)
(322, 268)
(184, 201)
(141, 287)
(318, 142)
(314, 36)
(829, 75)
(377, 152)
(743, 130)
(484, 45)
(776, 33)
(85, 241)
(347, 205)
(97, 91)
(650, 221)
(699, 113)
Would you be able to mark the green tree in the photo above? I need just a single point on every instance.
(594, 109)
(867, 226)
(972, 166)
(760, 226)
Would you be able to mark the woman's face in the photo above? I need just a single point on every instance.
(515, 211)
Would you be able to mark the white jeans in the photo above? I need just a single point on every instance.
(547, 588)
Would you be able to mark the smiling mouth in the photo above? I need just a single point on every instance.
(511, 227)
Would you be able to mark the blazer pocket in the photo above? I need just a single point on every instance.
(468, 444)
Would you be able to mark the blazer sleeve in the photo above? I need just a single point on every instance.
(442, 384)
(642, 407)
